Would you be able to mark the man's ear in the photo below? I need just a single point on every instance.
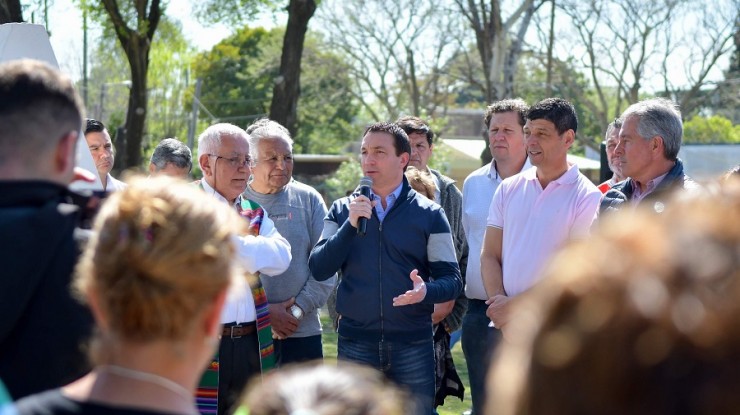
(570, 137)
(64, 154)
(152, 168)
(205, 167)
(657, 146)
(405, 159)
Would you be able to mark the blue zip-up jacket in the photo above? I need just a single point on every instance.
(622, 192)
(375, 268)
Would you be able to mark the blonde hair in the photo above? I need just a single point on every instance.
(161, 253)
(643, 318)
(325, 389)
(421, 181)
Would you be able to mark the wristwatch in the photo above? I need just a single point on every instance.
(296, 311)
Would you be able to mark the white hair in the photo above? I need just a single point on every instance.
(210, 140)
(265, 128)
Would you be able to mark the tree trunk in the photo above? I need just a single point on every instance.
(10, 11)
(137, 101)
(287, 89)
(136, 44)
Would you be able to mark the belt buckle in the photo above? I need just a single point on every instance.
(238, 326)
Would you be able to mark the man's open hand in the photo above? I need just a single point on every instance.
(415, 295)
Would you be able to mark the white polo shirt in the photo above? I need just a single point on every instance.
(536, 221)
(478, 190)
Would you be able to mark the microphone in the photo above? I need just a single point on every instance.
(365, 184)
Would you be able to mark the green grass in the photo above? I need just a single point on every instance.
(452, 406)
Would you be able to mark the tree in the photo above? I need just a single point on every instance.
(287, 88)
(711, 130)
(396, 51)
(11, 11)
(237, 75)
(135, 25)
(237, 87)
(706, 41)
(170, 58)
(625, 45)
(498, 46)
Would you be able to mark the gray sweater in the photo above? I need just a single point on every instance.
(298, 212)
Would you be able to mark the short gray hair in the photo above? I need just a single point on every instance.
(614, 125)
(265, 128)
(658, 116)
(172, 151)
(210, 140)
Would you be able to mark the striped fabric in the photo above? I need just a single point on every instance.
(206, 396)
(253, 212)
(264, 331)
(207, 392)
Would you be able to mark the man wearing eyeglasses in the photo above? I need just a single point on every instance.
(298, 211)
(246, 346)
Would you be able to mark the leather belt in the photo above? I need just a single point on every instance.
(239, 330)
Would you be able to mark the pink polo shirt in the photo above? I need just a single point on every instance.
(536, 221)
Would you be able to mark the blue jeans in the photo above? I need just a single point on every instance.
(297, 349)
(409, 364)
(478, 343)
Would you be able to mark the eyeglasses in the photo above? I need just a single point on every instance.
(235, 162)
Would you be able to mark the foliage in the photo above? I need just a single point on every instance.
(714, 129)
(167, 82)
(344, 180)
(233, 12)
(237, 75)
(237, 87)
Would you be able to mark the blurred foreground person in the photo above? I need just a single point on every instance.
(155, 275)
(324, 389)
(42, 327)
(643, 318)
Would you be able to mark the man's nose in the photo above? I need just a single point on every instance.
(618, 149)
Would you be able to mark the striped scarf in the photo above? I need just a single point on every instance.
(254, 213)
(207, 392)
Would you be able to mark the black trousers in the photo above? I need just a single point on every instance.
(239, 360)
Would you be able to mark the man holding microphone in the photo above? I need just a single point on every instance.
(393, 274)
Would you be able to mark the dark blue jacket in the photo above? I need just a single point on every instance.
(375, 268)
(43, 328)
(623, 191)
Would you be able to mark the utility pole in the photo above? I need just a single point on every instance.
(194, 114)
(84, 53)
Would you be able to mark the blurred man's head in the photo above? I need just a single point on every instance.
(40, 121)
(171, 158)
(101, 147)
